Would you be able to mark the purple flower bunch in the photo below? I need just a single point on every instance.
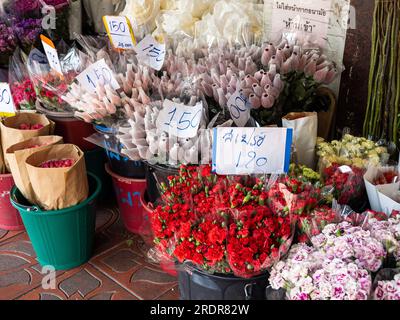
(8, 40)
(388, 289)
(28, 30)
(307, 274)
(57, 3)
(388, 233)
(24, 8)
(352, 245)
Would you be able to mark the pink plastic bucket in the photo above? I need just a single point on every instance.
(129, 192)
(10, 218)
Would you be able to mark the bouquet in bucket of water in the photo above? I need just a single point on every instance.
(219, 224)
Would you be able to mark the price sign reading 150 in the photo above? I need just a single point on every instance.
(117, 26)
(95, 73)
(185, 120)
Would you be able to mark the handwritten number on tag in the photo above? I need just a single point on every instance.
(239, 106)
(184, 124)
(5, 96)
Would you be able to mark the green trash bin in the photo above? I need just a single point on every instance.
(61, 238)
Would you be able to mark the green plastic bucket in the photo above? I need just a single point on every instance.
(62, 238)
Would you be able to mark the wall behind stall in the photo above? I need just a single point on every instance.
(357, 56)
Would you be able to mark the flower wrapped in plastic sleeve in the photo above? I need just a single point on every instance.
(352, 151)
(257, 238)
(22, 89)
(307, 274)
(386, 231)
(351, 244)
(347, 183)
(50, 86)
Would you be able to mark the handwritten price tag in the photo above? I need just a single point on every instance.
(7, 107)
(240, 151)
(51, 54)
(182, 120)
(98, 71)
(239, 107)
(151, 52)
(120, 32)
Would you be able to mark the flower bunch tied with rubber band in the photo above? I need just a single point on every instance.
(220, 224)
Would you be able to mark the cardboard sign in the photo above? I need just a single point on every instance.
(51, 54)
(7, 107)
(240, 151)
(182, 120)
(120, 32)
(239, 108)
(98, 71)
(151, 52)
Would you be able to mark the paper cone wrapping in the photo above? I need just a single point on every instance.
(16, 156)
(58, 188)
(305, 131)
(11, 134)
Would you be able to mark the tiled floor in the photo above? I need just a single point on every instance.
(119, 268)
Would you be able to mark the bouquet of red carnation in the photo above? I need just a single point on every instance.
(347, 183)
(24, 94)
(312, 225)
(294, 196)
(219, 224)
(386, 177)
(51, 87)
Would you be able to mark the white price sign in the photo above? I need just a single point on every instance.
(98, 71)
(36, 56)
(240, 151)
(51, 54)
(302, 19)
(7, 107)
(151, 52)
(183, 120)
(239, 108)
(120, 32)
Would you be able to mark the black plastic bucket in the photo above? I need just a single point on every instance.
(156, 175)
(195, 284)
(120, 165)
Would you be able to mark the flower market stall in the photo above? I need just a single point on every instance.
(211, 127)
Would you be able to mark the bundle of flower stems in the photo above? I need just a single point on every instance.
(382, 117)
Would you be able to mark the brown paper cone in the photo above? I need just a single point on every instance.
(58, 188)
(12, 135)
(16, 156)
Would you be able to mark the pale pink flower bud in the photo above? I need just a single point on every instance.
(257, 89)
(330, 76)
(267, 101)
(265, 80)
(320, 75)
(278, 83)
(311, 68)
(254, 101)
